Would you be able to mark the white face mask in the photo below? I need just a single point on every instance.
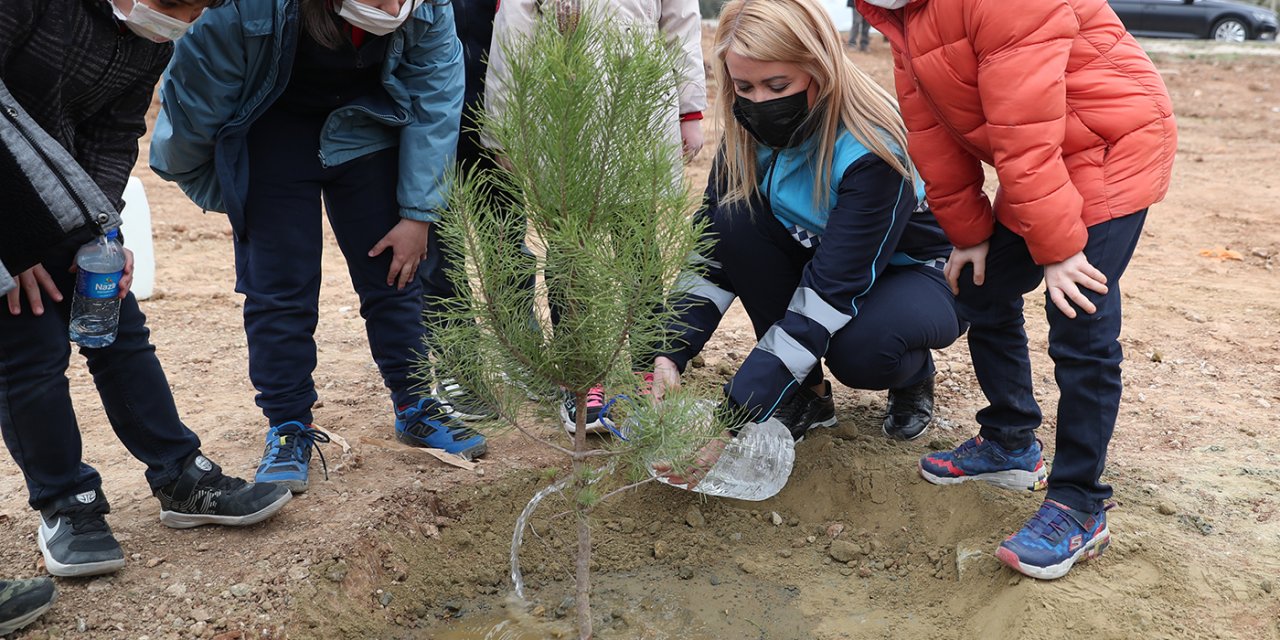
(375, 21)
(151, 24)
(889, 4)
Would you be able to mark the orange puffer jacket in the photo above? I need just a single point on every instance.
(1054, 94)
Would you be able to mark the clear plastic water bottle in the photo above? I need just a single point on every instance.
(755, 465)
(95, 306)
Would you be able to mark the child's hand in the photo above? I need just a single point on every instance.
(408, 243)
(691, 138)
(975, 255)
(666, 375)
(1062, 279)
(32, 281)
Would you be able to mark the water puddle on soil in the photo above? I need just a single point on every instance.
(710, 604)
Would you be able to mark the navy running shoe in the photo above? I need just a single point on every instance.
(428, 424)
(979, 459)
(1052, 541)
(287, 457)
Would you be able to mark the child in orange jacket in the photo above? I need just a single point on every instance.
(1063, 102)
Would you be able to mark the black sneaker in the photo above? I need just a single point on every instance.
(22, 601)
(75, 539)
(806, 410)
(462, 404)
(203, 495)
(910, 411)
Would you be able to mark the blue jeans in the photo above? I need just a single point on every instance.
(1086, 354)
(278, 263)
(36, 415)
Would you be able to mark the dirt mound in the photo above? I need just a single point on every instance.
(857, 545)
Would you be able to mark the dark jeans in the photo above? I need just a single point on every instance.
(36, 415)
(908, 312)
(859, 31)
(278, 265)
(1086, 354)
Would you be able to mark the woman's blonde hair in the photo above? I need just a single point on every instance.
(801, 32)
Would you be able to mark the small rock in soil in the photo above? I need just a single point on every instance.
(240, 590)
(660, 550)
(685, 573)
(723, 369)
(864, 572)
(1266, 586)
(786, 553)
(154, 562)
(1166, 508)
(385, 600)
(776, 519)
(694, 518)
(698, 362)
(844, 551)
(715, 581)
(940, 444)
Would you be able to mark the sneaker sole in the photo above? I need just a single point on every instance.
(469, 417)
(1053, 572)
(821, 424)
(1013, 479)
(81, 570)
(21, 621)
(571, 427)
(468, 454)
(901, 439)
(179, 520)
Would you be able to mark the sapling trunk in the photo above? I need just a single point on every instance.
(581, 473)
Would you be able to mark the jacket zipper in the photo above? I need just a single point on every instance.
(100, 219)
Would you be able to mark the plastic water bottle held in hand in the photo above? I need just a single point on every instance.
(95, 307)
(754, 465)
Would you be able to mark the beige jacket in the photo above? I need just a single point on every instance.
(678, 20)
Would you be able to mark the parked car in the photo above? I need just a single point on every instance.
(1222, 20)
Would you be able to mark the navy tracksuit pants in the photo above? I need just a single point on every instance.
(1086, 354)
(36, 415)
(278, 265)
(886, 346)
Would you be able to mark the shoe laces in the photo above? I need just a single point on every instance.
(86, 518)
(595, 397)
(291, 448)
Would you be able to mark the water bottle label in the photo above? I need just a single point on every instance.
(97, 285)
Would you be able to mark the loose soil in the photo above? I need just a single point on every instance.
(396, 545)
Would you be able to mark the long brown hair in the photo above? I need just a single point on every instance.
(317, 20)
(801, 32)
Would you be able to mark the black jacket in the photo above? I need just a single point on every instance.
(84, 79)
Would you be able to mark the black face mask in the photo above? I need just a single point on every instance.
(776, 122)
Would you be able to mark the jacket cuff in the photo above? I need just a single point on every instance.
(421, 215)
(692, 115)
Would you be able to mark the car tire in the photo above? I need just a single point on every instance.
(1229, 29)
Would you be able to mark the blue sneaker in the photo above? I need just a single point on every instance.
(1052, 541)
(979, 459)
(288, 455)
(428, 424)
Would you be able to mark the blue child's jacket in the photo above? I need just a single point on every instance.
(236, 61)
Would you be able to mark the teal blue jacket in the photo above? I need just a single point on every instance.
(236, 61)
